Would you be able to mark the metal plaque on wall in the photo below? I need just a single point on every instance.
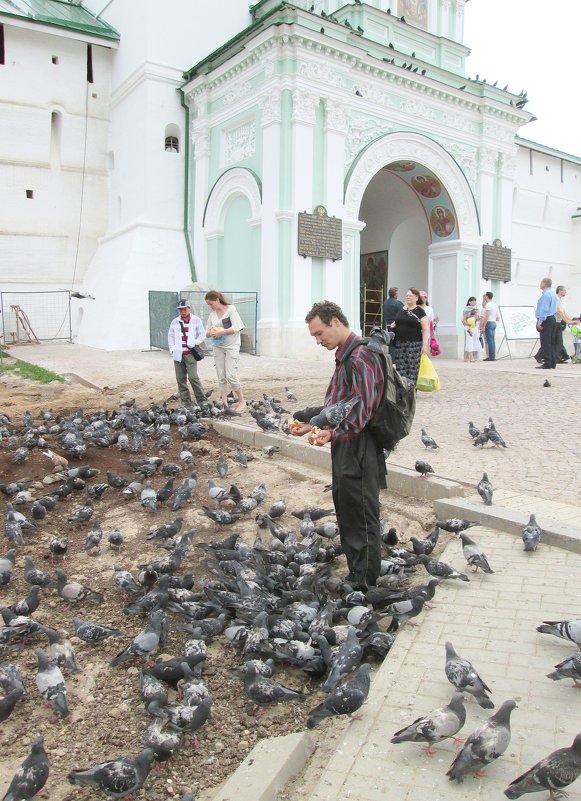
(496, 262)
(319, 235)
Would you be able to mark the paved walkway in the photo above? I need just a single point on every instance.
(491, 621)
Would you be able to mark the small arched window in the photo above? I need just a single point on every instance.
(172, 144)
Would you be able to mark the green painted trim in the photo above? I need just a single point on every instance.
(69, 17)
(186, 217)
(236, 167)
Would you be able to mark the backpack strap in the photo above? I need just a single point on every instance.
(346, 361)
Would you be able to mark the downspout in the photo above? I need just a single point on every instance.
(187, 186)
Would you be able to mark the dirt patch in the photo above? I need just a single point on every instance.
(107, 716)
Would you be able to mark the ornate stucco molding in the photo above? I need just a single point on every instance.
(238, 143)
(200, 138)
(232, 183)
(336, 117)
(414, 147)
(305, 106)
(270, 109)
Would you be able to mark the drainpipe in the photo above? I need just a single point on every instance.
(187, 186)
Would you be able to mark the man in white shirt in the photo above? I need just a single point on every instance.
(185, 333)
(488, 322)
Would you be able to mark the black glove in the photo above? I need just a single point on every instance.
(304, 415)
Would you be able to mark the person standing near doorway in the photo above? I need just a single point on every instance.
(185, 332)
(391, 306)
(490, 317)
(546, 322)
(224, 326)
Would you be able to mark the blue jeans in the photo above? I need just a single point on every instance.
(489, 331)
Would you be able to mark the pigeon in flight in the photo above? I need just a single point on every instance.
(484, 488)
(553, 773)
(531, 534)
(462, 675)
(484, 745)
(435, 726)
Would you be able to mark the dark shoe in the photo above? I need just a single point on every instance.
(543, 367)
(488, 359)
(538, 357)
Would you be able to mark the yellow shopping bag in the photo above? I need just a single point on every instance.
(428, 380)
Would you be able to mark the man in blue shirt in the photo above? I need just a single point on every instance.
(546, 322)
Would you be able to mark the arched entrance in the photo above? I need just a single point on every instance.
(420, 226)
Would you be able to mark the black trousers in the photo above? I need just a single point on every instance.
(560, 351)
(547, 337)
(358, 468)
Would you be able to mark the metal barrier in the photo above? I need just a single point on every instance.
(35, 316)
(162, 310)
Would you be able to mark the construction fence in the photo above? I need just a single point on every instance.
(35, 316)
(162, 310)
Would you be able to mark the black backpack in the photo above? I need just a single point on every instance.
(393, 419)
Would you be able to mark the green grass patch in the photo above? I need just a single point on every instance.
(31, 372)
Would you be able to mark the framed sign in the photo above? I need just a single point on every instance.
(519, 322)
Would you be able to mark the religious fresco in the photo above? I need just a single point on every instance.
(442, 221)
(433, 196)
(415, 11)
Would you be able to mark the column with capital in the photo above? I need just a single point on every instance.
(506, 177)
(269, 322)
(200, 138)
(303, 123)
(487, 170)
(337, 274)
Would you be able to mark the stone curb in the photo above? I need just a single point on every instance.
(399, 479)
(510, 521)
(270, 765)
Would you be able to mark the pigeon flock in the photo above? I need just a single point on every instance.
(188, 591)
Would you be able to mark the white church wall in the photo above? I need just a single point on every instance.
(52, 191)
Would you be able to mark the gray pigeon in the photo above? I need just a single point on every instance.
(474, 555)
(181, 495)
(165, 743)
(569, 668)
(124, 581)
(427, 545)
(148, 497)
(455, 524)
(402, 611)
(484, 745)
(462, 675)
(31, 776)
(93, 633)
(118, 777)
(428, 441)
(183, 717)
(344, 660)
(61, 650)
(152, 689)
(531, 534)
(8, 702)
(73, 591)
(333, 415)
(263, 691)
(82, 515)
(565, 629)
(484, 488)
(345, 699)
(423, 468)
(553, 773)
(143, 643)
(222, 466)
(435, 726)
(51, 684)
(441, 570)
(35, 576)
